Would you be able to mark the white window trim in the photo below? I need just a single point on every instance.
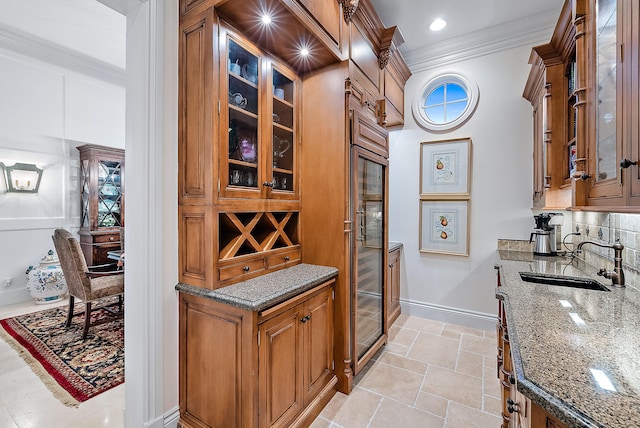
(420, 115)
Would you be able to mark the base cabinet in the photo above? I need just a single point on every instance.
(243, 368)
(393, 281)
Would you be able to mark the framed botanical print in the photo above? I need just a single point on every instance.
(444, 227)
(445, 169)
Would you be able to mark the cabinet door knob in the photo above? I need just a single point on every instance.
(512, 379)
(287, 258)
(512, 406)
(626, 163)
(111, 238)
(268, 184)
(246, 268)
(305, 319)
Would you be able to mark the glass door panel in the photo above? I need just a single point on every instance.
(109, 195)
(368, 297)
(606, 54)
(283, 132)
(243, 108)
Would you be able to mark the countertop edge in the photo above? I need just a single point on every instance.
(300, 286)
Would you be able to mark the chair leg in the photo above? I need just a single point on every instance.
(70, 313)
(120, 302)
(87, 319)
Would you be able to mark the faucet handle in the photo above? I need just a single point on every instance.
(602, 272)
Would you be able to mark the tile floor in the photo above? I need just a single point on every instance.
(430, 374)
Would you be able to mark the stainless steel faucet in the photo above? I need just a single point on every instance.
(617, 274)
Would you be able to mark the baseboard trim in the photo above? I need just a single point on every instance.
(171, 418)
(473, 319)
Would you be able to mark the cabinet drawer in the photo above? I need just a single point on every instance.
(111, 237)
(285, 258)
(238, 270)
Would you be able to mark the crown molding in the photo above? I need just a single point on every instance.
(26, 44)
(532, 30)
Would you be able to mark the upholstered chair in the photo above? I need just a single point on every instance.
(85, 282)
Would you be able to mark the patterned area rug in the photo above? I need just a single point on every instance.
(73, 370)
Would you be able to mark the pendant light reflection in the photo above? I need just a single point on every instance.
(22, 177)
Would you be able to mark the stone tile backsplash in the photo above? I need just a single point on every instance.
(606, 228)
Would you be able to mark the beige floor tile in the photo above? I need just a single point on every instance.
(402, 336)
(436, 350)
(464, 329)
(470, 364)
(403, 363)
(459, 416)
(492, 405)
(397, 349)
(353, 410)
(451, 334)
(394, 414)
(420, 324)
(392, 382)
(459, 387)
(319, 422)
(432, 404)
(478, 345)
(491, 383)
(490, 334)
(490, 362)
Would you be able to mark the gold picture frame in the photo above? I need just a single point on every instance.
(445, 169)
(444, 227)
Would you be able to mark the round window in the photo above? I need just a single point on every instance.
(445, 102)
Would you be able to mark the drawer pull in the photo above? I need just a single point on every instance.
(512, 406)
(246, 268)
(305, 319)
(287, 258)
(111, 238)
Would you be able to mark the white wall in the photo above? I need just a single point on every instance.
(45, 112)
(455, 288)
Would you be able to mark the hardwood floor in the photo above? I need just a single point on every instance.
(430, 374)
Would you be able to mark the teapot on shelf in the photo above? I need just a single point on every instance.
(238, 100)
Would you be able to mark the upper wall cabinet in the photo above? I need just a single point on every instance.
(586, 140)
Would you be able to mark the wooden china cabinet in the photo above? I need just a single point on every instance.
(583, 87)
(282, 160)
(102, 201)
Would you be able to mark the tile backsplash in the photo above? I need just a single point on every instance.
(606, 228)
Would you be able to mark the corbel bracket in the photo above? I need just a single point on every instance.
(349, 8)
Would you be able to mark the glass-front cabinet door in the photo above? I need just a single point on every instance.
(605, 167)
(241, 171)
(258, 105)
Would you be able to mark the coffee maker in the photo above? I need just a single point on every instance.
(547, 234)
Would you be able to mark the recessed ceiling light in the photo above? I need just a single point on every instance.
(437, 24)
(266, 19)
(304, 51)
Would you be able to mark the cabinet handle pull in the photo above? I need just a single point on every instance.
(512, 406)
(268, 184)
(305, 319)
(626, 163)
(286, 258)
(246, 268)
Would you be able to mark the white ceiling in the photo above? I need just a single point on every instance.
(463, 16)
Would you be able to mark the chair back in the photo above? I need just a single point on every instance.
(72, 262)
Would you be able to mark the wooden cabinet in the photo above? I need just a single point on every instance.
(238, 178)
(586, 132)
(296, 358)
(102, 201)
(393, 282)
(265, 368)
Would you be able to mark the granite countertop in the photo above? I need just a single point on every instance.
(394, 245)
(267, 290)
(555, 346)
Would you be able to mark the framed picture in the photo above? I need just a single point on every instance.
(445, 169)
(444, 227)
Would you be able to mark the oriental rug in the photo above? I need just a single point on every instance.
(72, 369)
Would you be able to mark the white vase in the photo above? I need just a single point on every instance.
(46, 282)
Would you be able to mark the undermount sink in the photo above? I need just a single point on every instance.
(563, 281)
